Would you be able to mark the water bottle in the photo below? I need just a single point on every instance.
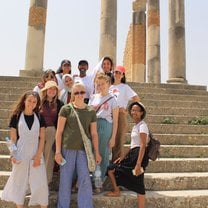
(98, 180)
(11, 146)
(110, 155)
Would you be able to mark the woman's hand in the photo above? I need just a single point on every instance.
(138, 169)
(118, 160)
(14, 160)
(98, 158)
(58, 158)
(36, 160)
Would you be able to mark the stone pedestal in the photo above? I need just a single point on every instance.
(153, 41)
(35, 38)
(108, 29)
(176, 53)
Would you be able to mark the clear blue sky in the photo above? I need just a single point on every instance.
(72, 32)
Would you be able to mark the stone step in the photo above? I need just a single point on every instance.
(166, 151)
(166, 86)
(174, 103)
(18, 90)
(160, 166)
(174, 165)
(9, 86)
(150, 119)
(178, 139)
(159, 90)
(128, 199)
(157, 181)
(171, 151)
(163, 111)
(156, 96)
(171, 128)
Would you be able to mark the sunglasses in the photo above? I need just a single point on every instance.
(80, 93)
(49, 76)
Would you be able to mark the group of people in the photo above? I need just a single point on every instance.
(45, 118)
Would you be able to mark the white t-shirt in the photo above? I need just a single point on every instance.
(88, 83)
(141, 127)
(123, 94)
(60, 81)
(106, 109)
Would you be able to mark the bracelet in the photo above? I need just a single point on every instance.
(58, 153)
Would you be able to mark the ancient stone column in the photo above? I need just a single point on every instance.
(139, 41)
(108, 29)
(35, 39)
(176, 53)
(153, 41)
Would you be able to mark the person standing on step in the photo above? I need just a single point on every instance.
(104, 66)
(106, 109)
(69, 146)
(48, 75)
(65, 94)
(85, 79)
(27, 131)
(123, 94)
(49, 109)
(128, 171)
(65, 68)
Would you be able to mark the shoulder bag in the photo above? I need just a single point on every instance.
(87, 144)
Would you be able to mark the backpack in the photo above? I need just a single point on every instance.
(153, 148)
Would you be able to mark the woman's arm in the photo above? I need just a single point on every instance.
(143, 139)
(115, 126)
(13, 135)
(136, 98)
(37, 157)
(94, 134)
(59, 132)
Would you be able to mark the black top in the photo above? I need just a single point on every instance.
(29, 120)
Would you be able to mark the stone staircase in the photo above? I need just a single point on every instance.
(178, 179)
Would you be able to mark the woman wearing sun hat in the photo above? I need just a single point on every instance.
(50, 106)
(123, 94)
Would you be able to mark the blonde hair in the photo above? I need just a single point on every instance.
(75, 86)
(102, 76)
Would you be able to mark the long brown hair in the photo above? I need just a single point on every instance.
(20, 105)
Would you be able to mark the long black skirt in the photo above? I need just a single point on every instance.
(123, 172)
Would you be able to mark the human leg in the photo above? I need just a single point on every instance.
(48, 152)
(19, 206)
(39, 191)
(66, 176)
(120, 135)
(84, 182)
(116, 191)
(141, 200)
(104, 134)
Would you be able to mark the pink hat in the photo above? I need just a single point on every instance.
(120, 69)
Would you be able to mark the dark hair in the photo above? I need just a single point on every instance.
(60, 70)
(109, 59)
(83, 62)
(20, 106)
(141, 107)
(123, 79)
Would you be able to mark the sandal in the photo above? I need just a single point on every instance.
(113, 194)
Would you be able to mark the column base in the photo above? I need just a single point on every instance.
(177, 81)
(30, 73)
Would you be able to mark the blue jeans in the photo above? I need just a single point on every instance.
(104, 129)
(75, 160)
